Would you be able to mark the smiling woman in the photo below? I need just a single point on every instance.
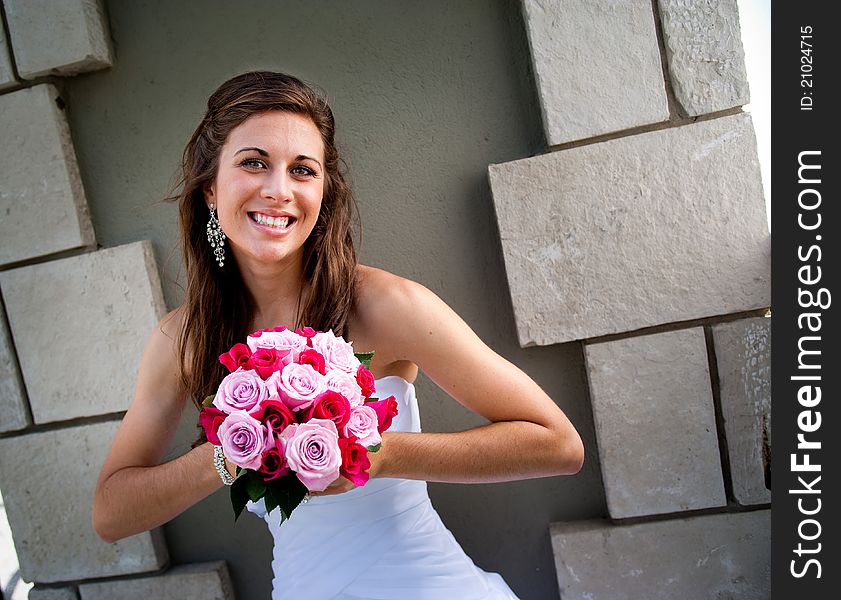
(265, 157)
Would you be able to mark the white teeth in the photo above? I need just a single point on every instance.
(279, 222)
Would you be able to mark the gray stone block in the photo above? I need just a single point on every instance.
(597, 66)
(705, 55)
(697, 558)
(13, 410)
(64, 593)
(743, 357)
(7, 74)
(49, 479)
(655, 423)
(41, 200)
(80, 326)
(200, 581)
(638, 231)
(58, 38)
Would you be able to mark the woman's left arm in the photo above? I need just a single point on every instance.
(529, 436)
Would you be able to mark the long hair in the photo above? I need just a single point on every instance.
(218, 308)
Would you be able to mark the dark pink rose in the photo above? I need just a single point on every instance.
(268, 360)
(307, 332)
(329, 405)
(274, 463)
(355, 461)
(312, 358)
(365, 379)
(236, 357)
(386, 411)
(275, 415)
(210, 419)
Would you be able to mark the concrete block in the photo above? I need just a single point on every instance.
(80, 326)
(705, 55)
(655, 423)
(743, 357)
(638, 231)
(7, 74)
(597, 66)
(13, 409)
(697, 558)
(65, 593)
(42, 201)
(200, 581)
(49, 479)
(58, 38)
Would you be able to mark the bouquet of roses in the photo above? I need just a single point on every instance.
(296, 412)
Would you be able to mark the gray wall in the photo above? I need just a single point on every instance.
(426, 96)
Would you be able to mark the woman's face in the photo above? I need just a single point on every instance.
(268, 187)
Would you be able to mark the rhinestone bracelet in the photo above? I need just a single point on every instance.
(219, 463)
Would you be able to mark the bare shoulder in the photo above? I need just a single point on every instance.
(383, 298)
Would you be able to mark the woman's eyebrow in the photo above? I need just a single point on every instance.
(262, 152)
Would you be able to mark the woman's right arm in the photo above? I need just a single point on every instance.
(134, 492)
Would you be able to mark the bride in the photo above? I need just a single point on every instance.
(262, 181)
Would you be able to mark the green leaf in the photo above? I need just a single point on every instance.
(239, 495)
(364, 358)
(374, 448)
(288, 491)
(372, 399)
(271, 497)
(255, 486)
(208, 401)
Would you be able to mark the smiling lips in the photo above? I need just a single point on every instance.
(278, 222)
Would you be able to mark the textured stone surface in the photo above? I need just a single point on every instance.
(7, 74)
(64, 593)
(596, 65)
(705, 55)
(80, 326)
(643, 230)
(655, 423)
(42, 202)
(58, 38)
(202, 581)
(13, 413)
(698, 558)
(743, 357)
(48, 484)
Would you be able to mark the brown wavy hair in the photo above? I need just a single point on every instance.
(218, 308)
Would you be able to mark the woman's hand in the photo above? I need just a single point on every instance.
(342, 484)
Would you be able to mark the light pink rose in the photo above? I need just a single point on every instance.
(280, 340)
(312, 451)
(337, 353)
(344, 383)
(363, 424)
(298, 385)
(243, 440)
(242, 390)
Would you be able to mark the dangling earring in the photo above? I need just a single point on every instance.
(216, 237)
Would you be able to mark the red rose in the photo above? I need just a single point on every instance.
(210, 419)
(330, 405)
(274, 464)
(307, 332)
(355, 461)
(236, 357)
(365, 379)
(313, 358)
(268, 360)
(275, 415)
(259, 332)
(386, 411)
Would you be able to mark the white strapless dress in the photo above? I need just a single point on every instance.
(382, 541)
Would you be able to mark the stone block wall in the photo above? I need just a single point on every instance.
(641, 235)
(74, 322)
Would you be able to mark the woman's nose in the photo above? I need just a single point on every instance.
(278, 186)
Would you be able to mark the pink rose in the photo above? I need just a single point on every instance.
(355, 461)
(362, 424)
(313, 358)
(240, 391)
(279, 338)
(210, 418)
(274, 462)
(243, 440)
(337, 353)
(365, 380)
(268, 360)
(345, 384)
(329, 405)
(312, 451)
(299, 385)
(386, 411)
(236, 357)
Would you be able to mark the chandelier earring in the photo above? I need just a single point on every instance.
(216, 237)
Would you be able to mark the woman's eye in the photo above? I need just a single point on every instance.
(302, 170)
(253, 163)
